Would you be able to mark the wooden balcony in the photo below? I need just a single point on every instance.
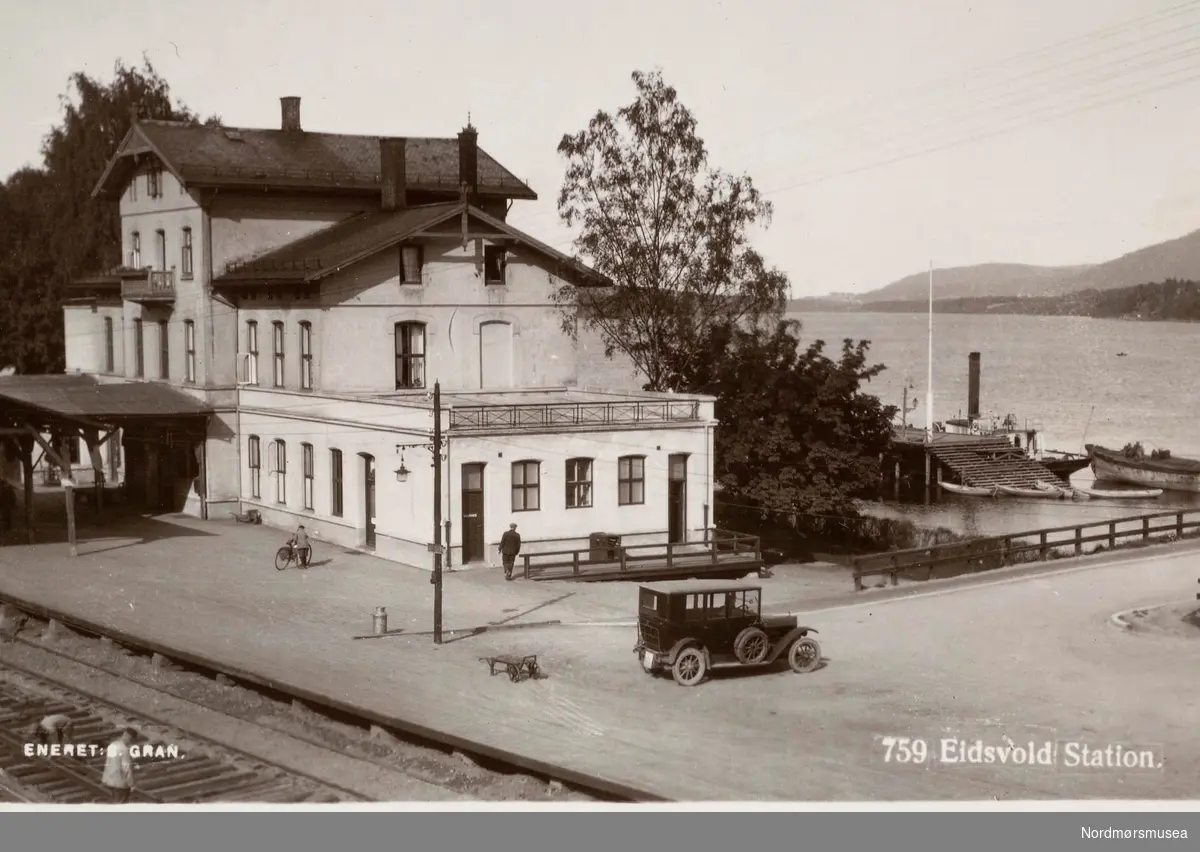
(149, 287)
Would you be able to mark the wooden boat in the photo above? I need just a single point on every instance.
(1046, 492)
(1171, 474)
(968, 490)
(1125, 494)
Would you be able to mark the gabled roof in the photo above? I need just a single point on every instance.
(326, 252)
(228, 156)
(71, 395)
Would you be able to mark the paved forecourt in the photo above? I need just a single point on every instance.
(1031, 659)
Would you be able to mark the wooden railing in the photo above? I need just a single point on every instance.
(985, 554)
(719, 545)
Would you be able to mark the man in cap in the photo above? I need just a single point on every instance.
(510, 547)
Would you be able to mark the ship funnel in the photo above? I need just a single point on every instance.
(973, 386)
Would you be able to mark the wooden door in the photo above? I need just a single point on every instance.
(369, 498)
(471, 500)
(677, 498)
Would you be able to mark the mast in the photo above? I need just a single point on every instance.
(929, 374)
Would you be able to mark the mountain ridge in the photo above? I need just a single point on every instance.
(1177, 258)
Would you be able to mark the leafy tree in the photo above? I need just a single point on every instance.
(798, 434)
(51, 230)
(670, 232)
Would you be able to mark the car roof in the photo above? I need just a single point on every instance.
(687, 587)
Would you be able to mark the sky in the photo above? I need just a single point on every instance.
(887, 134)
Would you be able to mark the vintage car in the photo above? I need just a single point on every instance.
(689, 627)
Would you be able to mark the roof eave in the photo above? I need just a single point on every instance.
(394, 239)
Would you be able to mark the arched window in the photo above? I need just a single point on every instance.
(306, 356)
(278, 329)
(281, 472)
(254, 462)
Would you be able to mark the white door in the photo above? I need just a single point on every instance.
(495, 355)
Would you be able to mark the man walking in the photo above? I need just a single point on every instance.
(510, 547)
(118, 767)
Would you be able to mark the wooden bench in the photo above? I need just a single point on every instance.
(518, 668)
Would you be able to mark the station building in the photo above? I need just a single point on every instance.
(307, 290)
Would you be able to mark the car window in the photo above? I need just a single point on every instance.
(695, 608)
(747, 602)
(649, 602)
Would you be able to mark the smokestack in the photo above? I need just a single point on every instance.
(973, 386)
(290, 107)
(392, 166)
(468, 158)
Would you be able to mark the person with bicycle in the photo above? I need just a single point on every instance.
(300, 545)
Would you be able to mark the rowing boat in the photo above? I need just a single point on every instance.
(1046, 492)
(968, 490)
(1124, 494)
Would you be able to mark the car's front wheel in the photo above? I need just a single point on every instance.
(689, 668)
(804, 655)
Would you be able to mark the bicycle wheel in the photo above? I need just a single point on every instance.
(282, 557)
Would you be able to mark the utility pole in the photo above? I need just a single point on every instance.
(437, 513)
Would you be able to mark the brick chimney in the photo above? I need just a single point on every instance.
(291, 113)
(468, 158)
(392, 165)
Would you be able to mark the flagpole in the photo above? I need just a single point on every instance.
(929, 375)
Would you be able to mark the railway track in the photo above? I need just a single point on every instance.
(176, 767)
(488, 758)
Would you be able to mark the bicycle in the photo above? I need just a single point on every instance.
(289, 554)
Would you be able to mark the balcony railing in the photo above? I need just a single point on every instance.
(567, 414)
(157, 286)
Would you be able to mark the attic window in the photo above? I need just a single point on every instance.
(235, 135)
(154, 183)
(410, 264)
(494, 262)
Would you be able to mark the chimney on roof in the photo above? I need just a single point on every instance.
(392, 170)
(468, 158)
(291, 113)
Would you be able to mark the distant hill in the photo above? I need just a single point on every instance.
(1173, 259)
(1170, 300)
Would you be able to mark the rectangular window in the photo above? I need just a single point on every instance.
(133, 193)
(278, 330)
(335, 483)
(160, 249)
(185, 261)
(281, 472)
(306, 458)
(164, 350)
(631, 480)
(189, 347)
(410, 355)
(579, 483)
(495, 263)
(411, 264)
(306, 356)
(110, 360)
(526, 486)
(154, 183)
(135, 250)
(254, 456)
(252, 352)
(139, 352)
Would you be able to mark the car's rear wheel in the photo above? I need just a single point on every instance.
(804, 655)
(689, 668)
(751, 646)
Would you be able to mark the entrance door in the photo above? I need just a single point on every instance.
(472, 513)
(369, 497)
(677, 498)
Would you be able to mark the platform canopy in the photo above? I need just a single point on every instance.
(68, 399)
